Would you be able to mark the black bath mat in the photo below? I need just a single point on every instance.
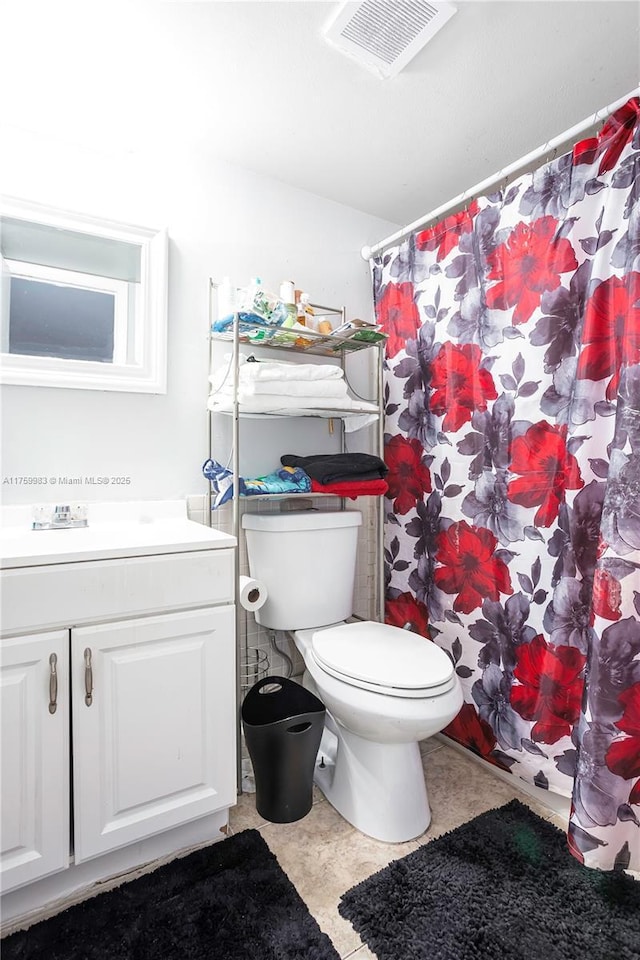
(501, 886)
(230, 901)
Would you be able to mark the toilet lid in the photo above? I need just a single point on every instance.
(382, 655)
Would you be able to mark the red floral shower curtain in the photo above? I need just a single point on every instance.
(512, 432)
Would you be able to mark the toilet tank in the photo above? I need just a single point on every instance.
(307, 560)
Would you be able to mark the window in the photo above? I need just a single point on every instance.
(82, 301)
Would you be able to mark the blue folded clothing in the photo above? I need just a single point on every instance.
(284, 480)
(245, 320)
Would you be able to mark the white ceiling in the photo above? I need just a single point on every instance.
(255, 83)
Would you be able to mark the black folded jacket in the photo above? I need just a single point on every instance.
(336, 467)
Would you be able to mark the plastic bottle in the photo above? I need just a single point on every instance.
(287, 291)
(253, 291)
(226, 298)
(288, 298)
(256, 299)
(305, 312)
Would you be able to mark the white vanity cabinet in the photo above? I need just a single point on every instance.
(118, 693)
(34, 692)
(153, 716)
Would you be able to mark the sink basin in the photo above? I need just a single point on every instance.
(131, 529)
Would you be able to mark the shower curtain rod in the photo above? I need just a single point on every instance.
(519, 166)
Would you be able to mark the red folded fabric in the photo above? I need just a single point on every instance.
(351, 488)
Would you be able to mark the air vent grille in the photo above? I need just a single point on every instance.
(384, 35)
(387, 33)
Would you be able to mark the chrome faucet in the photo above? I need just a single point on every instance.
(61, 517)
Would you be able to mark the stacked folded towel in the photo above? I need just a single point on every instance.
(282, 387)
(352, 488)
(343, 474)
(272, 377)
(290, 388)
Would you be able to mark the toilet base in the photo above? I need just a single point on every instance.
(378, 787)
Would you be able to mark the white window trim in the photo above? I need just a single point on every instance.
(147, 371)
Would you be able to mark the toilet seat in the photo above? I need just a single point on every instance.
(383, 659)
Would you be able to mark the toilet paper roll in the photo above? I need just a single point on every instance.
(251, 593)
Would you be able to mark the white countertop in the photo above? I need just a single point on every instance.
(128, 529)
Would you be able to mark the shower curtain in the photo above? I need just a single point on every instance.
(512, 437)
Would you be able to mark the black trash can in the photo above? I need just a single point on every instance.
(282, 725)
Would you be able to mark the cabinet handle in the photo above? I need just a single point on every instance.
(53, 683)
(88, 678)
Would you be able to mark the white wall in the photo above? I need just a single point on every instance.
(222, 220)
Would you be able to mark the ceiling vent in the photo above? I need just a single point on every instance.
(384, 35)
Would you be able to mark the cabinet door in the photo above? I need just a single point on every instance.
(153, 725)
(34, 678)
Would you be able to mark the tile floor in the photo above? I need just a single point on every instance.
(324, 856)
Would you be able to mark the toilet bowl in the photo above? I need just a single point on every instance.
(385, 689)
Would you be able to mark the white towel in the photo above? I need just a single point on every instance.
(287, 370)
(273, 404)
(364, 413)
(329, 389)
(278, 370)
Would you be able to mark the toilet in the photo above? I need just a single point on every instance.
(385, 688)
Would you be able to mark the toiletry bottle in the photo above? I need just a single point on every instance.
(255, 285)
(288, 298)
(256, 299)
(305, 312)
(226, 298)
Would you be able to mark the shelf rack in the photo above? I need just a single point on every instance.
(307, 343)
